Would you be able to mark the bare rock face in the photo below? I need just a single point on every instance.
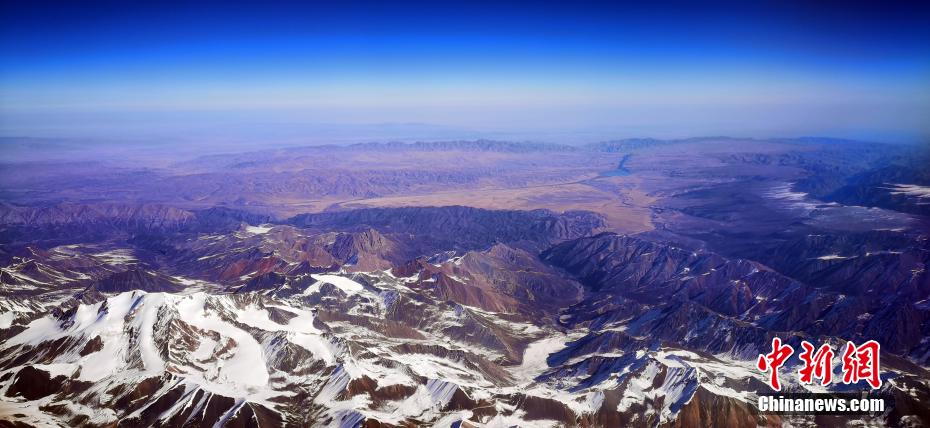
(487, 280)
(266, 281)
(33, 384)
(690, 285)
(434, 229)
(223, 218)
(136, 279)
(709, 410)
(142, 215)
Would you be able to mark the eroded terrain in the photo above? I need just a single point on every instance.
(629, 283)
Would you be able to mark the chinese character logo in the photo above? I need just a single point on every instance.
(816, 365)
(859, 363)
(772, 361)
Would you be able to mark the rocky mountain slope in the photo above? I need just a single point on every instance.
(503, 318)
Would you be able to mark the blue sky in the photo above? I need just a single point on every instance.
(304, 71)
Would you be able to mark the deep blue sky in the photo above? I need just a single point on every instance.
(537, 70)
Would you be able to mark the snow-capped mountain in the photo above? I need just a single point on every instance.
(331, 322)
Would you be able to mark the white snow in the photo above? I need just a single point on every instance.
(242, 372)
(516, 420)
(300, 330)
(146, 321)
(117, 256)
(440, 392)
(385, 376)
(534, 357)
(338, 381)
(259, 230)
(783, 192)
(449, 419)
(57, 369)
(347, 285)
(427, 400)
(234, 337)
(6, 319)
(922, 192)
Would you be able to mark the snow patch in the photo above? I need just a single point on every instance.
(258, 230)
(347, 285)
(922, 192)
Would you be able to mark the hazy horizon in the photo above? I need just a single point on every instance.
(556, 73)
